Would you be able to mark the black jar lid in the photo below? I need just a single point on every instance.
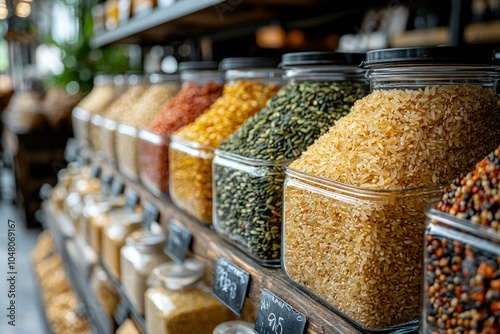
(322, 58)
(236, 63)
(198, 66)
(439, 55)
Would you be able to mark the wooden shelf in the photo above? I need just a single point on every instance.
(475, 33)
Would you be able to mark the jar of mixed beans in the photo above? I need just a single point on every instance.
(250, 83)
(162, 89)
(201, 85)
(462, 254)
(179, 302)
(249, 167)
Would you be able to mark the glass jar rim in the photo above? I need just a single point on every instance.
(466, 225)
(356, 191)
(176, 276)
(250, 161)
(248, 63)
(146, 238)
(202, 65)
(431, 56)
(321, 58)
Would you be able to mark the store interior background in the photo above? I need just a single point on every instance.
(50, 51)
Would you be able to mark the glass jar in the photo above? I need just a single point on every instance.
(113, 239)
(357, 249)
(234, 327)
(137, 85)
(104, 290)
(201, 86)
(101, 96)
(461, 276)
(178, 301)
(447, 92)
(143, 251)
(251, 82)
(162, 89)
(248, 168)
(142, 7)
(98, 215)
(95, 134)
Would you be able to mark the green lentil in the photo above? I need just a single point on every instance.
(251, 200)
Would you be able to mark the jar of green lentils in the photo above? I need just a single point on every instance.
(249, 165)
(251, 82)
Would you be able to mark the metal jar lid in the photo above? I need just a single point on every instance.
(322, 58)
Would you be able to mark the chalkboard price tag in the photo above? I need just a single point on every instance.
(131, 199)
(230, 285)
(276, 316)
(106, 180)
(95, 171)
(178, 241)
(121, 313)
(150, 214)
(116, 187)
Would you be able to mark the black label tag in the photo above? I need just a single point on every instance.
(150, 214)
(131, 199)
(95, 171)
(178, 241)
(230, 285)
(275, 316)
(116, 187)
(121, 313)
(106, 180)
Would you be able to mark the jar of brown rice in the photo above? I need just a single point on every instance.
(353, 216)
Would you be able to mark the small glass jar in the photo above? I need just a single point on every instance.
(162, 89)
(461, 290)
(248, 168)
(101, 96)
(95, 133)
(97, 216)
(359, 250)
(143, 251)
(114, 236)
(178, 301)
(201, 85)
(234, 327)
(104, 290)
(250, 83)
(455, 86)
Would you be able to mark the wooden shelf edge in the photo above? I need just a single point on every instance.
(208, 246)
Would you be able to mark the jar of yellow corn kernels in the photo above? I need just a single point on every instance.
(179, 302)
(250, 83)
